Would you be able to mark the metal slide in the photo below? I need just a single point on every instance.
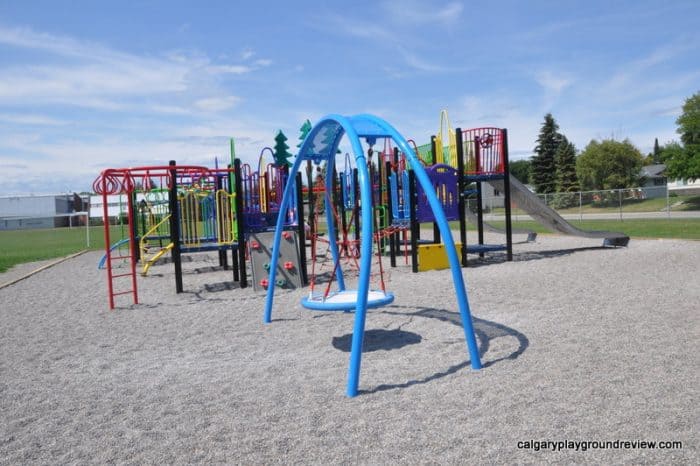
(472, 217)
(533, 205)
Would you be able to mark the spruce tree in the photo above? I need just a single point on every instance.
(565, 161)
(656, 155)
(305, 128)
(280, 153)
(543, 162)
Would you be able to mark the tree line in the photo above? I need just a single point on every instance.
(608, 164)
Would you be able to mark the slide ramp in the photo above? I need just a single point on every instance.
(533, 205)
(148, 263)
(473, 218)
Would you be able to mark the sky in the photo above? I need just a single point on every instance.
(90, 85)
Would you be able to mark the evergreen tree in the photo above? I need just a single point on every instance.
(543, 162)
(565, 161)
(280, 153)
(656, 155)
(305, 129)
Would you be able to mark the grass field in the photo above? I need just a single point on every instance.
(634, 228)
(20, 246)
(17, 247)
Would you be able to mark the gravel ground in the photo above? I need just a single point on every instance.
(578, 343)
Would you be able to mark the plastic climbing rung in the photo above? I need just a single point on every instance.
(255, 245)
(288, 265)
(264, 282)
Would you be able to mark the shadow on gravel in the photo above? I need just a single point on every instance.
(221, 286)
(486, 332)
(498, 258)
(378, 339)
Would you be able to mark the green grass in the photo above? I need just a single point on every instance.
(17, 247)
(20, 246)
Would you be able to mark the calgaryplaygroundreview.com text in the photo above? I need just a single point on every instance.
(585, 445)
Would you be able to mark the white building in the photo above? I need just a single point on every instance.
(39, 211)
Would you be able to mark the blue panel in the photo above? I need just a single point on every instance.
(364, 127)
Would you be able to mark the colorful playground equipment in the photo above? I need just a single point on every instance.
(171, 210)
(177, 209)
(196, 214)
(321, 145)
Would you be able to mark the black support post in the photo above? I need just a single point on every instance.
(415, 226)
(240, 221)
(462, 186)
(506, 194)
(301, 231)
(175, 227)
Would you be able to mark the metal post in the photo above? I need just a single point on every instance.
(619, 199)
(506, 194)
(462, 188)
(175, 227)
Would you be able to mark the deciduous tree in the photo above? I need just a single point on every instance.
(609, 164)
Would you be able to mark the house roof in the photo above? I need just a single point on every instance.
(652, 171)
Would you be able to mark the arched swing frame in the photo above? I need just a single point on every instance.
(321, 144)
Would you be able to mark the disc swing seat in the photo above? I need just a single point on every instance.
(343, 299)
(321, 144)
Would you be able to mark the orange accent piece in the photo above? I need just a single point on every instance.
(286, 235)
(255, 245)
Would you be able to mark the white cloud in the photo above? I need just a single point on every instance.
(552, 84)
(101, 78)
(418, 63)
(216, 104)
(231, 69)
(31, 119)
(416, 12)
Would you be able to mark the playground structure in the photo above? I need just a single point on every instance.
(180, 209)
(259, 214)
(480, 156)
(171, 210)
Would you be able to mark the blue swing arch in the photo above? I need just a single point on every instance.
(320, 145)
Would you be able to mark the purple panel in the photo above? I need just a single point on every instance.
(444, 180)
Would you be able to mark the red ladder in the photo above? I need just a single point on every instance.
(131, 256)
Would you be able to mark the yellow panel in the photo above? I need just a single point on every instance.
(434, 257)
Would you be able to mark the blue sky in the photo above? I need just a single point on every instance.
(87, 85)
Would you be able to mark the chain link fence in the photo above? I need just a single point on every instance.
(642, 202)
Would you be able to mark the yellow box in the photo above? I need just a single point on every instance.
(434, 257)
